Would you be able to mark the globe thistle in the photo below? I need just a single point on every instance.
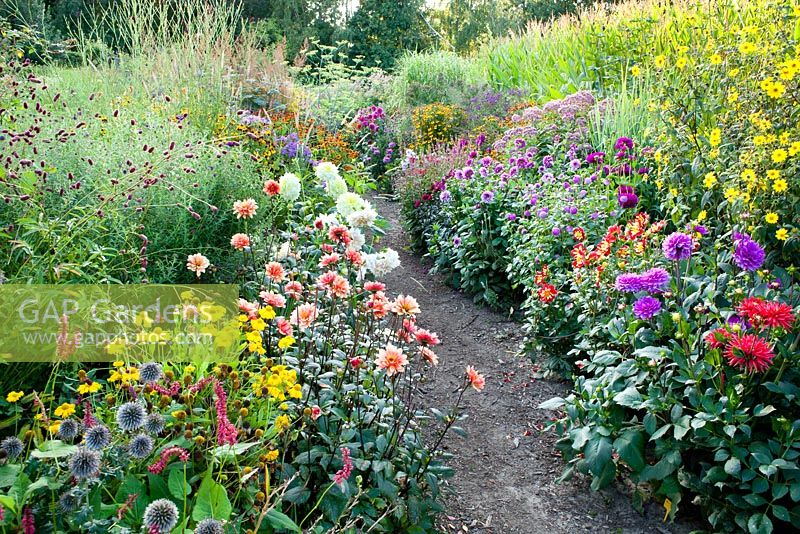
(131, 416)
(84, 463)
(209, 526)
(68, 502)
(12, 446)
(154, 423)
(97, 437)
(68, 429)
(140, 446)
(150, 372)
(161, 515)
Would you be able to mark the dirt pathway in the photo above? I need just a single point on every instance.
(506, 466)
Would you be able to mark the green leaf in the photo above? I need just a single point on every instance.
(630, 447)
(8, 474)
(629, 397)
(553, 404)
(733, 466)
(229, 452)
(280, 520)
(212, 500)
(597, 453)
(759, 524)
(178, 486)
(54, 449)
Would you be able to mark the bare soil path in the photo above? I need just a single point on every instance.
(506, 466)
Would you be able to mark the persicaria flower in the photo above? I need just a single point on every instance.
(226, 431)
(749, 353)
(646, 307)
(677, 246)
(166, 455)
(240, 241)
(392, 360)
(343, 474)
(272, 188)
(197, 263)
(476, 380)
(245, 209)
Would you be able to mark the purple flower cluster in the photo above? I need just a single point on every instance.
(653, 281)
(748, 254)
(677, 246)
(646, 307)
(627, 197)
(292, 148)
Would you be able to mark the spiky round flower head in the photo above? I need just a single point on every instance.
(131, 416)
(69, 429)
(97, 437)
(68, 502)
(154, 423)
(150, 372)
(84, 463)
(13, 446)
(209, 526)
(141, 446)
(161, 515)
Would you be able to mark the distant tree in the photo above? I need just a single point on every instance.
(466, 23)
(382, 30)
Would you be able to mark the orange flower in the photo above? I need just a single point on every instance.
(275, 271)
(245, 209)
(271, 188)
(547, 293)
(240, 241)
(197, 263)
(304, 315)
(475, 378)
(405, 305)
(392, 360)
(429, 356)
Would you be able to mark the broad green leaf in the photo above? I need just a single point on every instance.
(212, 500)
(280, 520)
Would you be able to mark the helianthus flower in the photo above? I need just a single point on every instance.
(771, 218)
(14, 396)
(782, 234)
(780, 185)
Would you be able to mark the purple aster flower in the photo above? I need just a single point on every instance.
(487, 197)
(677, 246)
(628, 283)
(595, 157)
(654, 280)
(457, 241)
(547, 162)
(556, 231)
(626, 196)
(511, 217)
(646, 307)
(623, 143)
(445, 196)
(748, 254)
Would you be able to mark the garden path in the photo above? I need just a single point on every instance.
(506, 466)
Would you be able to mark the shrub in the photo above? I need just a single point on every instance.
(435, 124)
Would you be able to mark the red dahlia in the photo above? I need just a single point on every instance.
(749, 352)
(717, 338)
(767, 314)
